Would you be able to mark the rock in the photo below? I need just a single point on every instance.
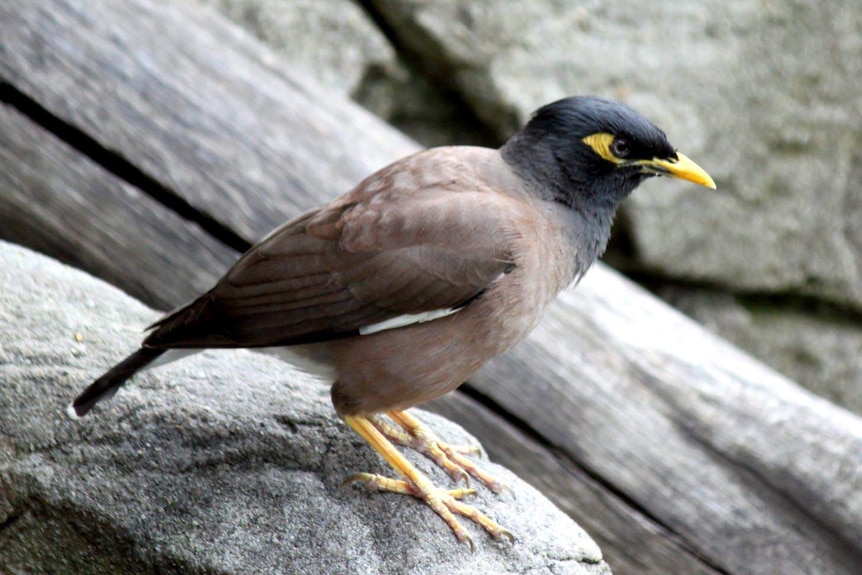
(426, 111)
(227, 462)
(333, 41)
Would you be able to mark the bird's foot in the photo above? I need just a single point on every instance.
(446, 503)
(451, 458)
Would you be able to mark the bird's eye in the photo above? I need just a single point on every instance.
(620, 148)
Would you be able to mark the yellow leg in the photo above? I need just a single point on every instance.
(424, 442)
(445, 503)
(382, 483)
(451, 458)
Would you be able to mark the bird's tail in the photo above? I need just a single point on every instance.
(107, 385)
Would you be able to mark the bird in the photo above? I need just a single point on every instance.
(399, 290)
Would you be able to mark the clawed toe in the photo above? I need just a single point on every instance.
(451, 458)
(447, 503)
(376, 482)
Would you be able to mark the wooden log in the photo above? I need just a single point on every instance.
(725, 456)
(632, 541)
(59, 202)
(683, 454)
(194, 103)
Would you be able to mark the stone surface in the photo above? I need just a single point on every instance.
(227, 462)
(333, 41)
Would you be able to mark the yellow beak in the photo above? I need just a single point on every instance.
(683, 168)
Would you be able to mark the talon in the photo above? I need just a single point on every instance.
(365, 478)
(462, 477)
(469, 541)
(376, 482)
(461, 493)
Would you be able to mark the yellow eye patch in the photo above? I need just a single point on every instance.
(601, 143)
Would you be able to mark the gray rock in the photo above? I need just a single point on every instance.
(227, 462)
(420, 108)
(333, 41)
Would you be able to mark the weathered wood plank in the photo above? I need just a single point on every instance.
(752, 471)
(631, 541)
(56, 201)
(195, 103)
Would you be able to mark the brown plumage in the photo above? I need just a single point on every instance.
(403, 287)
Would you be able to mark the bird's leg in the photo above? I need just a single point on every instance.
(451, 458)
(426, 443)
(444, 502)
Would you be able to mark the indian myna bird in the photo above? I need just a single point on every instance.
(399, 290)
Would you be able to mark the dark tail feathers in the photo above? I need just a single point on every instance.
(107, 385)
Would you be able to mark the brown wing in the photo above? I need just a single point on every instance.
(360, 260)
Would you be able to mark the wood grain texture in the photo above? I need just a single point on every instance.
(54, 200)
(195, 103)
(752, 471)
(631, 541)
(678, 452)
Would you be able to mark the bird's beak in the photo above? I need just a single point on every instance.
(682, 168)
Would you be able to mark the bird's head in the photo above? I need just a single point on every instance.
(589, 152)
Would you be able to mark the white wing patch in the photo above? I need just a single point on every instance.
(405, 320)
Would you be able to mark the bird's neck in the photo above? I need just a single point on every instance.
(589, 215)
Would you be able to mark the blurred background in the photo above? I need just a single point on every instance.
(765, 95)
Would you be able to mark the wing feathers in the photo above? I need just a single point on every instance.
(364, 259)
